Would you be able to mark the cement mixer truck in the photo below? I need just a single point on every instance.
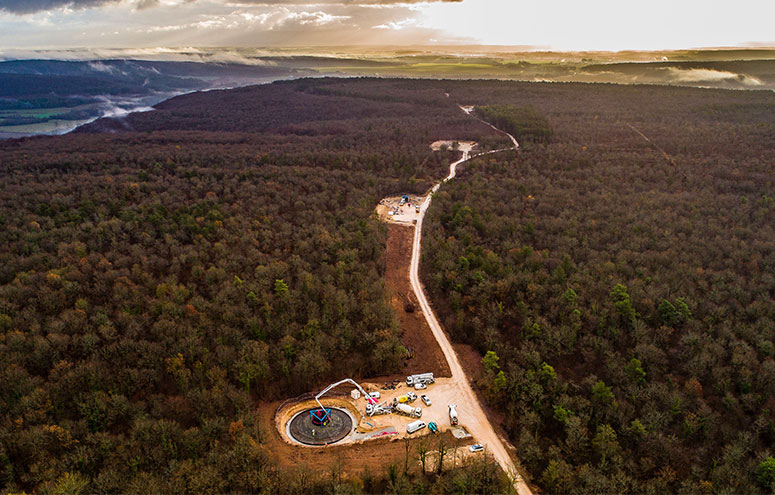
(412, 412)
(453, 414)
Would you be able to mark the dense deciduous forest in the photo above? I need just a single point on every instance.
(619, 289)
(162, 273)
(154, 286)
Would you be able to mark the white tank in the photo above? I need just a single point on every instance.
(415, 412)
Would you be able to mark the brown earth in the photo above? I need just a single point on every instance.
(377, 455)
(416, 335)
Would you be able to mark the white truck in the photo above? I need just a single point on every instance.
(453, 414)
(413, 412)
(377, 409)
(425, 378)
(415, 426)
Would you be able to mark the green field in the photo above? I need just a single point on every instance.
(49, 127)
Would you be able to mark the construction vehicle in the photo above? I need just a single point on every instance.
(408, 397)
(323, 413)
(415, 426)
(426, 378)
(378, 409)
(414, 412)
(453, 414)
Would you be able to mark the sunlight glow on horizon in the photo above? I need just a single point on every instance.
(560, 25)
(607, 24)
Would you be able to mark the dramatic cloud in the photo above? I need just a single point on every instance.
(337, 2)
(31, 6)
(551, 24)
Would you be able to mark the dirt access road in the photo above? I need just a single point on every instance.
(472, 416)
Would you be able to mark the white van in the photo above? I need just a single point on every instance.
(415, 426)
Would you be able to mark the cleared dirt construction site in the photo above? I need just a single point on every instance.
(405, 213)
(294, 424)
(302, 429)
(400, 209)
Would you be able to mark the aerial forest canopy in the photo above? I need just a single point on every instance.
(619, 282)
(154, 286)
(162, 274)
(525, 123)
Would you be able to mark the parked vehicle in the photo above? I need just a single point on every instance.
(476, 448)
(432, 426)
(420, 386)
(453, 414)
(426, 400)
(414, 412)
(426, 378)
(415, 426)
(376, 409)
(407, 397)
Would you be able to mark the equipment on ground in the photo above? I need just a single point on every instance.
(377, 409)
(369, 400)
(453, 414)
(426, 378)
(414, 412)
(415, 426)
(320, 417)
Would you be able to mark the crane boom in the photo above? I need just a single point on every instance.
(369, 399)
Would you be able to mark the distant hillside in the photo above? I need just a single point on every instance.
(54, 96)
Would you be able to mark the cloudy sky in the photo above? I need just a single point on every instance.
(546, 24)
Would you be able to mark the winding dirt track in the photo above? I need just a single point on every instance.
(472, 415)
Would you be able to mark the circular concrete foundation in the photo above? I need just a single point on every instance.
(301, 429)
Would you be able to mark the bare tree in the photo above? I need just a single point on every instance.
(442, 453)
(422, 451)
